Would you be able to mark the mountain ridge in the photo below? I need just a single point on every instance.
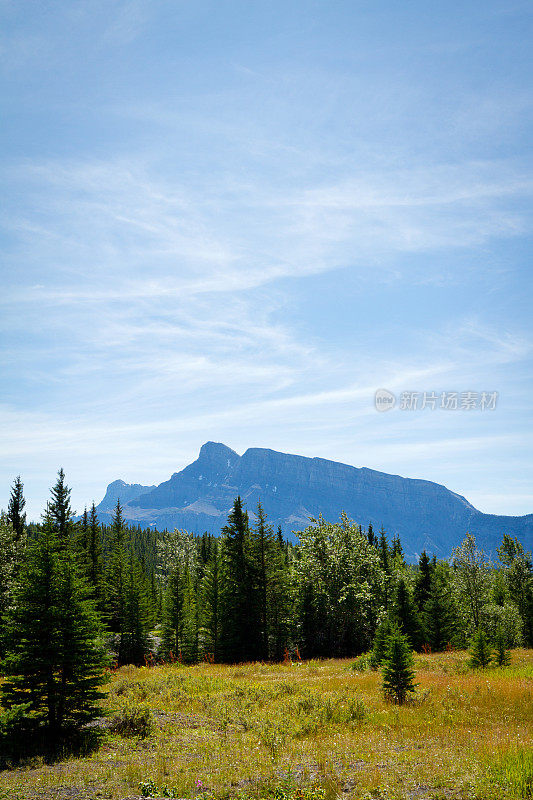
(293, 488)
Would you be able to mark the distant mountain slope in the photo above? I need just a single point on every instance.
(294, 488)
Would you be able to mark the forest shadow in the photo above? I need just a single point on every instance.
(23, 748)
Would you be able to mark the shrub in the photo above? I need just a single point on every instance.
(18, 733)
(132, 720)
(361, 663)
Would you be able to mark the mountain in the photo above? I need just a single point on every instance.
(294, 488)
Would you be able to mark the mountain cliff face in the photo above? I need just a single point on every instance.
(294, 488)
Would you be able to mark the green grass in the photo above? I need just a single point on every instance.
(310, 731)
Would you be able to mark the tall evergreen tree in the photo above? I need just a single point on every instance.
(136, 615)
(11, 557)
(55, 659)
(210, 593)
(239, 630)
(439, 615)
(371, 535)
(15, 509)
(115, 576)
(397, 551)
(423, 581)
(60, 510)
(406, 615)
(95, 553)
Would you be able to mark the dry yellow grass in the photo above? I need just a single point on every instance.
(248, 729)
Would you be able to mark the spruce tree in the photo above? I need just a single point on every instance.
(384, 550)
(15, 509)
(397, 669)
(371, 535)
(423, 581)
(406, 615)
(380, 644)
(55, 659)
(261, 551)
(115, 573)
(397, 551)
(136, 615)
(239, 634)
(502, 655)
(210, 592)
(60, 510)
(480, 650)
(11, 553)
(278, 599)
(95, 553)
(439, 614)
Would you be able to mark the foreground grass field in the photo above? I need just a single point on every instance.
(259, 730)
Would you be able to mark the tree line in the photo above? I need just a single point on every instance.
(77, 596)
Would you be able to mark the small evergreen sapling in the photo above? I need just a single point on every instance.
(480, 650)
(397, 669)
(381, 642)
(502, 656)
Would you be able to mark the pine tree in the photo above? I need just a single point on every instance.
(55, 659)
(11, 553)
(15, 509)
(439, 615)
(502, 655)
(397, 669)
(397, 551)
(115, 576)
(423, 581)
(136, 615)
(239, 634)
(210, 591)
(406, 615)
(480, 650)
(380, 644)
(95, 553)
(371, 535)
(278, 600)
(59, 509)
(384, 550)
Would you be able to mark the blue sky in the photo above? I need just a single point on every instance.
(237, 220)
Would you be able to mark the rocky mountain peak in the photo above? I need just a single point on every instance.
(217, 454)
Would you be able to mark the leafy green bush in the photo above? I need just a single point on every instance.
(132, 720)
(361, 663)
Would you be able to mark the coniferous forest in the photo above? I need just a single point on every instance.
(79, 599)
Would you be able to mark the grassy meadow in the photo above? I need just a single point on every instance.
(309, 730)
